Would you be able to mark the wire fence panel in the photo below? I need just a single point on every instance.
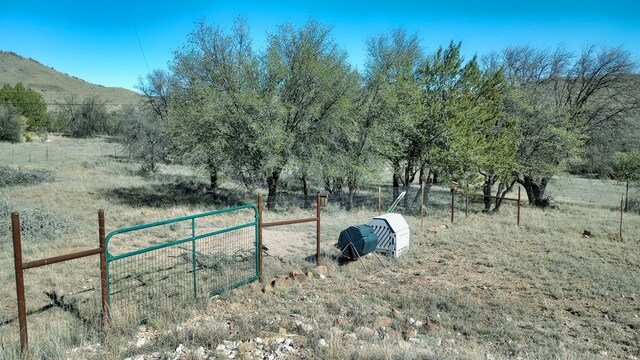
(176, 267)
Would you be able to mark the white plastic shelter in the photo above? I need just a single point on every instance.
(393, 234)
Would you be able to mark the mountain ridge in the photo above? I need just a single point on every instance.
(57, 87)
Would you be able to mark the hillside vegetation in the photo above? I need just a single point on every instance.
(56, 86)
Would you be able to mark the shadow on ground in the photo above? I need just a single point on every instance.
(168, 195)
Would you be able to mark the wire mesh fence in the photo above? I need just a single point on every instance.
(145, 280)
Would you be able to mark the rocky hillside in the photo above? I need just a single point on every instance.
(56, 86)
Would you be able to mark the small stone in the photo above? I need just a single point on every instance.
(246, 347)
(322, 270)
(306, 328)
(231, 345)
(181, 349)
(309, 274)
(383, 321)
(396, 313)
(322, 276)
(281, 282)
(297, 275)
(418, 323)
(408, 332)
(322, 343)
(221, 347)
(258, 340)
(394, 334)
(411, 321)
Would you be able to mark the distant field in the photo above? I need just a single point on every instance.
(480, 288)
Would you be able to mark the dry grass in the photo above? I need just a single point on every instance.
(487, 288)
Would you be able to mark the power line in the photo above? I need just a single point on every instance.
(137, 36)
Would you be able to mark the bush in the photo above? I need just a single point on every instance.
(10, 124)
(35, 224)
(12, 177)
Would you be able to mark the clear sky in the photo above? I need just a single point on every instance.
(96, 40)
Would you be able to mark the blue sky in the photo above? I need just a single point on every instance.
(96, 40)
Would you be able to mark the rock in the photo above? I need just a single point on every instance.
(322, 343)
(230, 345)
(396, 313)
(246, 347)
(411, 321)
(306, 328)
(394, 334)
(383, 321)
(364, 332)
(258, 340)
(200, 353)
(221, 347)
(322, 276)
(281, 282)
(309, 274)
(322, 270)
(431, 326)
(181, 349)
(408, 332)
(298, 275)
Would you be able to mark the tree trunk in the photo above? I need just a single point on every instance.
(486, 191)
(396, 178)
(213, 175)
(305, 191)
(503, 189)
(213, 179)
(626, 197)
(535, 191)
(272, 184)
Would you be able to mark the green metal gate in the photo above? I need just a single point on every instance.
(165, 264)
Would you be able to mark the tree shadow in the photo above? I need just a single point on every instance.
(173, 194)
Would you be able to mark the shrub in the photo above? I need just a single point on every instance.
(13, 177)
(10, 124)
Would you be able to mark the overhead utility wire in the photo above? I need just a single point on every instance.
(137, 36)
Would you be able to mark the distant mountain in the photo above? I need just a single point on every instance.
(56, 86)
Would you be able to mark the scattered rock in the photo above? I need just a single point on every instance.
(350, 337)
(383, 321)
(408, 332)
(396, 313)
(281, 282)
(230, 345)
(246, 347)
(394, 334)
(364, 332)
(322, 276)
(586, 234)
(322, 343)
(431, 325)
(297, 275)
